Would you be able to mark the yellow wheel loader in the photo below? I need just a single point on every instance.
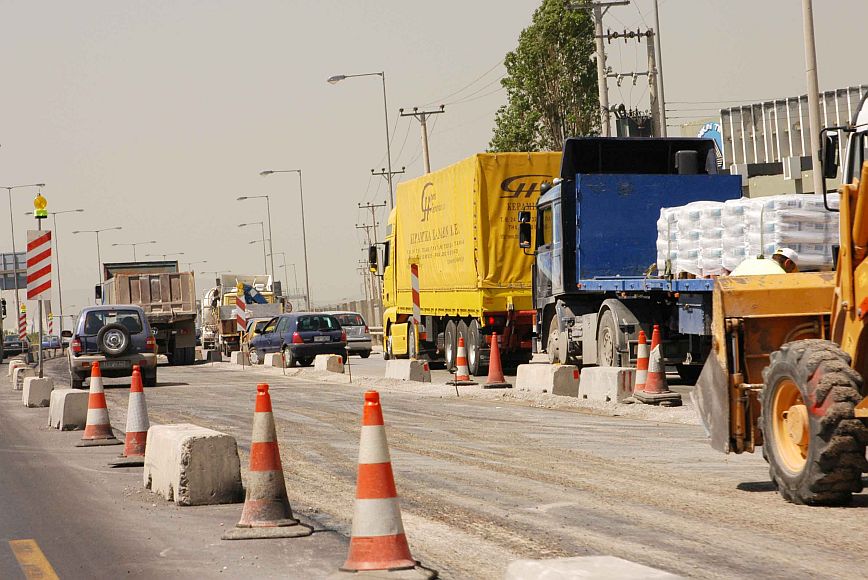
(790, 354)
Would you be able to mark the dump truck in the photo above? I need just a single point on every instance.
(219, 326)
(594, 243)
(168, 298)
(456, 229)
(790, 354)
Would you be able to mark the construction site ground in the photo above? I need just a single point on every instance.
(484, 477)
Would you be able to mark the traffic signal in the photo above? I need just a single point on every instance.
(2, 308)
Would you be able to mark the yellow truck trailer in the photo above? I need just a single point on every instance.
(458, 227)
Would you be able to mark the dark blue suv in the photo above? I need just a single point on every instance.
(117, 337)
(300, 336)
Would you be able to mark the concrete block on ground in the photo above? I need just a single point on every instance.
(240, 358)
(332, 363)
(607, 383)
(408, 370)
(192, 465)
(13, 364)
(37, 392)
(199, 354)
(546, 378)
(19, 374)
(213, 356)
(274, 359)
(583, 568)
(68, 409)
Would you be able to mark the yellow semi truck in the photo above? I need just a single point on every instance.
(458, 227)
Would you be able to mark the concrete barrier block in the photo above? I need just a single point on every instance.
(199, 353)
(213, 356)
(13, 364)
(192, 465)
(545, 378)
(19, 374)
(68, 409)
(586, 568)
(239, 358)
(408, 370)
(37, 392)
(332, 363)
(607, 383)
(273, 359)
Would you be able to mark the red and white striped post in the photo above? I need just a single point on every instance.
(240, 309)
(39, 273)
(22, 323)
(417, 308)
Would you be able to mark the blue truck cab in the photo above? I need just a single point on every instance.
(594, 279)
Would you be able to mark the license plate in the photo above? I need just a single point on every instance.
(115, 364)
(322, 339)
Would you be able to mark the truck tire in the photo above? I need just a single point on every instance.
(814, 444)
(461, 330)
(450, 345)
(474, 350)
(689, 373)
(607, 341)
(411, 341)
(552, 342)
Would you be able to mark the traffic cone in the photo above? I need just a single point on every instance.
(377, 541)
(495, 369)
(266, 512)
(641, 363)
(97, 429)
(462, 373)
(137, 425)
(656, 391)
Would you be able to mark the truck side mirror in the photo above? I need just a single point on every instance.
(97, 291)
(373, 259)
(829, 155)
(525, 233)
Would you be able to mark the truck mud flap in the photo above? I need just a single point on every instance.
(711, 399)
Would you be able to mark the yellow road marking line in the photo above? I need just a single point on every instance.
(33, 562)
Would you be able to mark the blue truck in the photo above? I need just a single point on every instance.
(594, 280)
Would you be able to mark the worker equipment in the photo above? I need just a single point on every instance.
(137, 425)
(97, 429)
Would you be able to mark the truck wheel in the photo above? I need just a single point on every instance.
(689, 373)
(474, 346)
(552, 342)
(814, 444)
(411, 341)
(450, 344)
(607, 341)
(461, 330)
(387, 344)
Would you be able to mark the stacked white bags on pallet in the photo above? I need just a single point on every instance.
(708, 238)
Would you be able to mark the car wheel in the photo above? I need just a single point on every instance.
(305, 362)
(365, 354)
(75, 381)
(255, 358)
(288, 359)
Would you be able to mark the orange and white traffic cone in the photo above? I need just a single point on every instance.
(656, 391)
(641, 363)
(97, 429)
(137, 425)
(495, 368)
(377, 541)
(462, 373)
(266, 512)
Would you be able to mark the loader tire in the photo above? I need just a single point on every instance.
(814, 444)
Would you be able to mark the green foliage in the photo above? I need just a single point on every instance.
(551, 82)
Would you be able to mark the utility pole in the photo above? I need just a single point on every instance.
(661, 95)
(422, 117)
(813, 93)
(376, 294)
(387, 175)
(657, 114)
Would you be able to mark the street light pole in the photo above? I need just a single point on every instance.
(57, 260)
(99, 272)
(813, 93)
(9, 189)
(303, 228)
(382, 74)
(264, 249)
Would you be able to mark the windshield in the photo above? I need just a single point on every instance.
(95, 320)
(350, 319)
(322, 322)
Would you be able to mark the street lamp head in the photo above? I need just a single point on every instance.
(78, 210)
(266, 172)
(241, 225)
(76, 232)
(40, 185)
(333, 80)
(242, 198)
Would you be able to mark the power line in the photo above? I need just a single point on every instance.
(477, 91)
(465, 87)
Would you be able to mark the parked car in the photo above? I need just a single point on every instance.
(300, 336)
(117, 336)
(13, 346)
(255, 326)
(358, 334)
(50, 341)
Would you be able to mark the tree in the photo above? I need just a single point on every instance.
(550, 82)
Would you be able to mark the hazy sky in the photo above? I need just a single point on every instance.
(155, 115)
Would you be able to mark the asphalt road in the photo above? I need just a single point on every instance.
(481, 482)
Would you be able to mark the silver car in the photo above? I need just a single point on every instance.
(358, 334)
